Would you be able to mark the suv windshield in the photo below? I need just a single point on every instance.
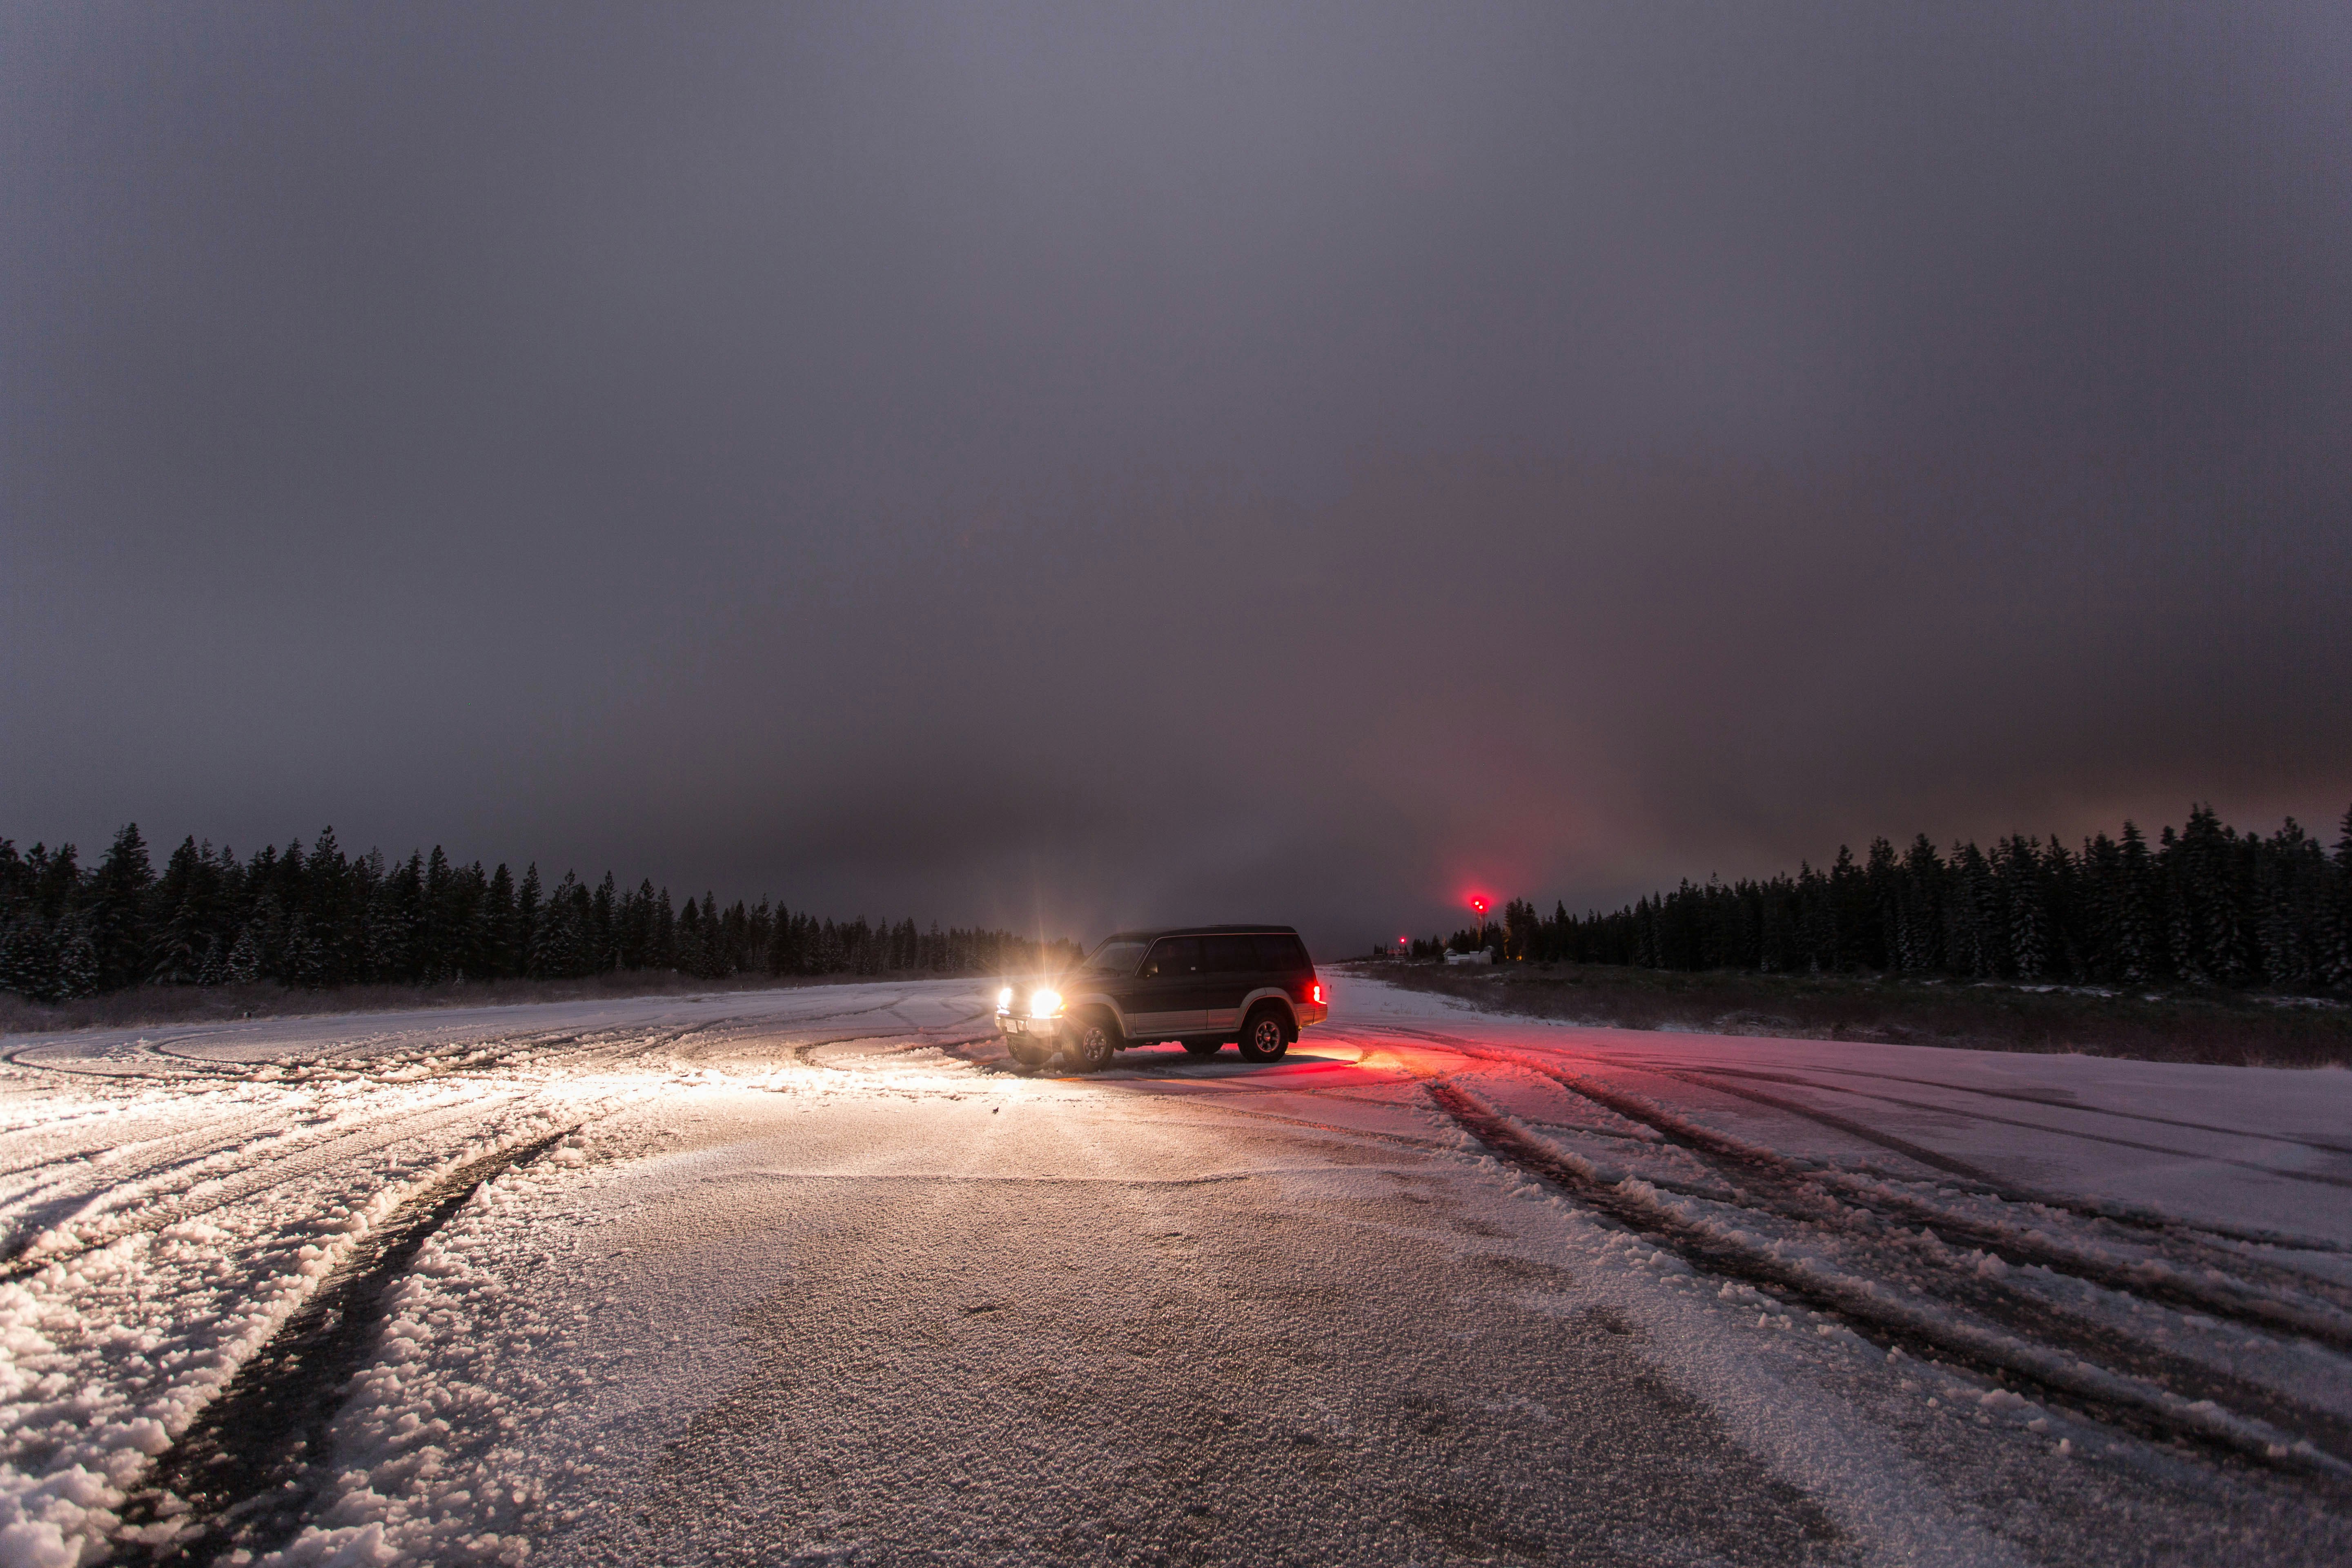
(1115, 957)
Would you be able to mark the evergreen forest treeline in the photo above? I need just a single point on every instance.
(2205, 906)
(316, 917)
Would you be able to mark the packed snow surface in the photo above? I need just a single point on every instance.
(818, 1275)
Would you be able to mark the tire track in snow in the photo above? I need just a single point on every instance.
(1898, 1325)
(2317, 1315)
(292, 1165)
(1829, 1119)
(2140, 1397)
(2315, 1321)
(100, 1184)
(252, 1463)
(2042, 1101)
(130, 1069)
(805, 1052)
(2174, 1289)
(1795, 1192)
(2104, 1211)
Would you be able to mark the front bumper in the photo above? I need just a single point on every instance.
(1026, 1023)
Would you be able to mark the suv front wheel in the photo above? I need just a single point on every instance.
(1267, 1034)
(1092, 1042)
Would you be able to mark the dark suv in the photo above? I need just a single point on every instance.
(1202, 985)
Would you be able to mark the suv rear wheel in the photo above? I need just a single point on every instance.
(1092, 1042)
(1267, 1033)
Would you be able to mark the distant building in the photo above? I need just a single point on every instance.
(1483, 956)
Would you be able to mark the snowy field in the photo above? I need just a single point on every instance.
(816, 1276)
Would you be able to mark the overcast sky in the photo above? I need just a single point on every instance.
(1090, 465)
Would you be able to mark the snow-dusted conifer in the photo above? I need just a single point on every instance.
(526, 926)
(28, 957)
(2335, 958)
(116, 921)
(78, 973)
(2018, 871)
(245, 958)
(2137, 909)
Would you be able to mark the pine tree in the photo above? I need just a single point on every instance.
(640, 951)
(28, 957)
(176, 956)
(245, 958)
(560, 941)
(783, 956)
(116, 926)
(1776, 940)
(603, 936)
(2133, 909)
(304, 963)
(2060, 891)
(2204, 879)
(526, 926)
(77, 971)
(179, 949)
(1921, 903)
(1974, 943)
(2336, 930)
(330, 898)
(2020, 877)
(693, 953)
(497, 921)
(15, 883)
(435, 939)
(2284, 887)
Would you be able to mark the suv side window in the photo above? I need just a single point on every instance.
(1174, 955)
(1231, 954)
(1282, 954)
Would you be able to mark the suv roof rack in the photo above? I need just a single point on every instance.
(1146, 934)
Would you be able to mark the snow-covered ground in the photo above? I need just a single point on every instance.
(815, 1274)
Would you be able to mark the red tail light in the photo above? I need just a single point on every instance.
(1315, 993)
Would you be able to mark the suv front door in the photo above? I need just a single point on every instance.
(1163, 1000)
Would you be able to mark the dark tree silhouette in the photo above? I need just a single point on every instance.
(2209, 906)
(315, 917)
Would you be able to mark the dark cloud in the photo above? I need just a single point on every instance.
(1062, 464)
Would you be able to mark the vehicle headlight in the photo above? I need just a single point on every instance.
(1045, 1004)
(1004, 1000)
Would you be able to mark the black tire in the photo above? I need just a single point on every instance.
(1028, 1053)
(1267, 1033)
(1091, 1042)
(1204, 1048)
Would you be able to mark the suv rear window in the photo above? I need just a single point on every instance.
(1231, 954)
(1282, 954)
